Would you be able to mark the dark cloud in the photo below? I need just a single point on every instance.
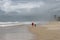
(28, 10)
(25, 0)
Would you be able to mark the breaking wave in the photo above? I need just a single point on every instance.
(5, 24)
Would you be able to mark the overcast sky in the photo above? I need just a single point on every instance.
(42, 8)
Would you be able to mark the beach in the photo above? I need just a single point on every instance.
(49, 31)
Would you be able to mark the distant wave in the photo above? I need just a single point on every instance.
(5, 24)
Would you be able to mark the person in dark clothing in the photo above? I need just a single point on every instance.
(35, 25)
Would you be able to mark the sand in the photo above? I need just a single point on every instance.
(49, 31)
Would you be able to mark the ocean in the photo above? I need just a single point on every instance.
(6, 24)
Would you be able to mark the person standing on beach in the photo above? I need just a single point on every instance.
(32, 24)
(35, 25)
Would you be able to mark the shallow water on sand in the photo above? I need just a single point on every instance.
(15, 33)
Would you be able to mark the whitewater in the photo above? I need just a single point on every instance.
(6, 24)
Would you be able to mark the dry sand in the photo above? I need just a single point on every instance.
(50, 31)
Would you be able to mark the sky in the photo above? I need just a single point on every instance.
(28, 10)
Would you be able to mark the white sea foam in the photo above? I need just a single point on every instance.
(6, 24)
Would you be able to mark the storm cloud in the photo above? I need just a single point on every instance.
(33, 9)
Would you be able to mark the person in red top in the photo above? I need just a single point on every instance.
(32, 24)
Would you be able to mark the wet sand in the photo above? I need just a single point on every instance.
(50, 31)
(16, 33)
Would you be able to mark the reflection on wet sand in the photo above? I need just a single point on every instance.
(15, 33)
